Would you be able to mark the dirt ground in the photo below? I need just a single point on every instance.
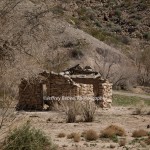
(54, 122)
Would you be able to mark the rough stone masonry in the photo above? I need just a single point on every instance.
(73, 82)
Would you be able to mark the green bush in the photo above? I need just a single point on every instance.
(147, 36)
(58, 10)
(118, 13)
(125, 40)
(116, 29)
(27, 138)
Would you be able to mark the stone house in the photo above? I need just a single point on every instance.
(75, 82)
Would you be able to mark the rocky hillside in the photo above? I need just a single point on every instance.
(56, 34)
(120, 23)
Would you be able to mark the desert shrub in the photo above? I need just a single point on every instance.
(147, 36)
(83, 134)
(61, 135)
(71, 135)
(116, 28)
(77, 53)
(141, 108)
(98, 23)
(82, 11)
(111, 131)
(88, 111)
(72, 109)
(147, 141)
(118, 13)
(142, 6)
(27, 138)
(137, 111)
(58, 10)
(76, 137)
(71, 115)
(122, 142)
(91, 135)
(134, 22)
(125, 40)
(114, 138)
(139, 133)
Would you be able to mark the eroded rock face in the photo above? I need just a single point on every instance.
(79, 83)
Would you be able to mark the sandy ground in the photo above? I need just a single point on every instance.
(54, 122)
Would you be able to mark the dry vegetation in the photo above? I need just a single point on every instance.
(91, 135)
(29, 138)
(88, 111)
(122, 142)
(61, 135)
(85, 109)
(98, 136)
(139, 133)
(71, 135)
(148, 141)
(112, 130)
(76, 137)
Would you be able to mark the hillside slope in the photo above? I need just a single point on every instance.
(38, 35)
(120, 23)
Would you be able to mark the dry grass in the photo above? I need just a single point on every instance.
(147, 141)
(111, 131)
(61, 135)
(71, 116)
(91, 135)
(72, 109)
(139, 133)
(76, 137)
(71, 135)
(141, 108)
(83, 134)
(122, 142)
(88, 111)
(138, 111)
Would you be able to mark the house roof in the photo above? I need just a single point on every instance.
(78, 70)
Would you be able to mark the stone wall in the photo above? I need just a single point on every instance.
(86, 90)
(105, 91)
(30, 95)
(57, 85)
(96, 87)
